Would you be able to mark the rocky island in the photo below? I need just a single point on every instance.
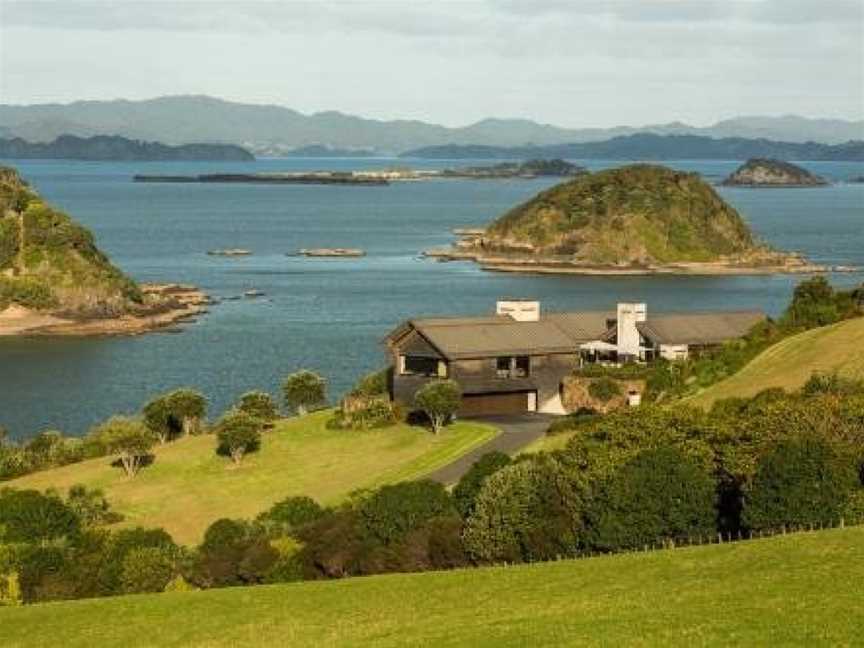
(115, 148)
(762, 172)
(528, 169)
(632, 220)
(54, 280)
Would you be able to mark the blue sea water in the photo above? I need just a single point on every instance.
(331, 314)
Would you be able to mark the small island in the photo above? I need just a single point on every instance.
(230, 252)
(55, 281)
(303, 177)
(332, 252)
(634, 220)
(529, 169)
(762, 172)
(116, 148)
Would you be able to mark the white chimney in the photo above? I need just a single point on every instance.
(521, 310)
(628, 335)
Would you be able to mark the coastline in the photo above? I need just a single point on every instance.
(171, 304)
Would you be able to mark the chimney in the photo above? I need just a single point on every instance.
(629, 314)
(521, 310)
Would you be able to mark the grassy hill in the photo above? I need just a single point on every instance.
(792, 361)
(640, 214)
(801, 589)
(188, 486)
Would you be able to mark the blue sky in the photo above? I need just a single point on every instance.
(574, 63)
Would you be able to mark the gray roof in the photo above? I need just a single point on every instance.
(698, 328)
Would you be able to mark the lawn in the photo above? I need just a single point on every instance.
(803, 589)
(189, 486)
(791, 362)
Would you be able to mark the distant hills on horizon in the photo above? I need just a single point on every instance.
(277, 130)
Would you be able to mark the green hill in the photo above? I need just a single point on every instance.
(639, 214)
(49, 262)
(802, 589)
(789, 363)
(188, 486)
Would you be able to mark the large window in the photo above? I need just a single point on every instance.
(513, 366)
(419, 366)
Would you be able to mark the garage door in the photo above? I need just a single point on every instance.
(485, 404)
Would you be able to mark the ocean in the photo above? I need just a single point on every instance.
(331, 315)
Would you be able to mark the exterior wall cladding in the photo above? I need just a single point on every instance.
(481, 376)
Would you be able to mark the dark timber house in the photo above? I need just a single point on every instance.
(516, 360)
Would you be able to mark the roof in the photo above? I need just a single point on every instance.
(699, 328)
(582, 326)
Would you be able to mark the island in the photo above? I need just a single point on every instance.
(331, 252)
(528, 169)
(230, 252)
(633, 220)
(303, 177)
(764, 172)
(54, 280)
(115, 148)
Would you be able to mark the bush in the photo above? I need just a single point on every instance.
(303, 391)
(31, 517)
(439, 400)
(813, 304)
(572, 421)
(291, 513)
(365, 412)
(129, 440)
(91, 506)
(148, 569)
(238, 433)
(122, 543)
(26, 292)
(393, 511)
(472, 481)
(234, 552)
(376, 383)
(604, 389)
(833, 384)
(661, 495)
(800, 481)
(175, 414)
(258, 404)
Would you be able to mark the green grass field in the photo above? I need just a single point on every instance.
(792, 361)
(188, 486)
(803, 589)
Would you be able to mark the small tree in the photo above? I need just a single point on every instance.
(304, 390)
(439, 400)
(258, 404)
(148, 569)
(189, 408)
(28, 516)
(238, 433)
(469, 486)
(129, 440)
(157, 418)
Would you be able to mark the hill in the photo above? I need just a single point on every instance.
(801, 589)
(792, 361)
(189, 486)
(275, 130)
(652, 146)
(761, 172)
(638, 214)
(105, 147)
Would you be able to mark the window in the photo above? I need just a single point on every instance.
(513, 366)
(502, 366)
(523, 366)
(419, 366)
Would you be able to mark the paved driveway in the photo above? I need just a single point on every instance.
(517, 431)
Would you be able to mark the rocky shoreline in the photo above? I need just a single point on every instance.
(166, 305)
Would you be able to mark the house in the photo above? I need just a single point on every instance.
(515, 361)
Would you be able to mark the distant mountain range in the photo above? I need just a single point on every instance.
(108, 147)
(277, 130)
(648, 146)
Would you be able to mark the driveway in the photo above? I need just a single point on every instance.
(517, 431)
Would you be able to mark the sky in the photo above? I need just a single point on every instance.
(574, 63)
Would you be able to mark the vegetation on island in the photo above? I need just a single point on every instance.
(115, 148)
(529, 168)
(634, 215)
(763, 172)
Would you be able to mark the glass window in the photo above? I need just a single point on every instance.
(419, 366)
(502, 366)
(523, 366)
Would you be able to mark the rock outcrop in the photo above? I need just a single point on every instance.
(760, 172)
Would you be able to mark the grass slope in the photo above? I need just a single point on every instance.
(801, 589)
(188, 486)
(792, 361)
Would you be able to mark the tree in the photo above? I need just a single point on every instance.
(238, 433)
(469, 486)
(122, 543)
(91, 506)
(234, 552)
(658, 496)
(157, 418)
(29, 516)
(813, 304)
(148, 569)
(258, 404)
(800, 481)
(304, 390)
(129, 440)
(439, 400)
(395, 510)
(189, 407)
(291, 513)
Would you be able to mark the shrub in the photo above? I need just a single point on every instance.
(833, 384)
(365, 412)
(393, 511)
(531, 510)
(258, 404)
(27, 292)
(472, 481)
(32, 517)
(176, 413)
(129, 440)
(303, 391)
(800, 481)
(122, 543)
(572, 421)
(439, 400)
(813, 304)
(234, 552)
(372, 384)
(238, 433)
(91, 506)
(660, 495)
(291, 513)
(148, 569)
(604, 389)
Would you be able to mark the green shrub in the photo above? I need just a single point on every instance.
(291, 513)
(372, 384)
(258, 404)
(304, 391)
(32, 517)
(364, 413)
(604, 389)
(660, 495)
(238, 434)
(234, 552)
(26, 292)
(801, 481)
(572, 421)
(833, 384)
(8, 241)
(91, 506)
(439, 400)
(122, 543)
(393, 511)
(148, 569)
(472, 481)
